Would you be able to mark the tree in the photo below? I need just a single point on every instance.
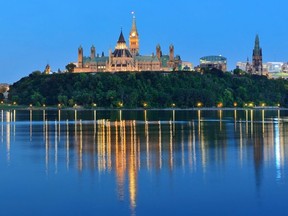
(70, 67)
(35, 73)
(1, 97)
(184, 89)
(3, 89)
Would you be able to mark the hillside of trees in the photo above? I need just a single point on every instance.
(149, 89)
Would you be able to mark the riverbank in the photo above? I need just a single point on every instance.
(15, 107)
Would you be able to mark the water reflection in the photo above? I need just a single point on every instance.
(125, 146)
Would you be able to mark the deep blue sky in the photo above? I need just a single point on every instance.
(37, 32)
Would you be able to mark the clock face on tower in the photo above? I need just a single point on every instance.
(133, 34)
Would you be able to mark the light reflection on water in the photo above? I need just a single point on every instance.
(126, 143)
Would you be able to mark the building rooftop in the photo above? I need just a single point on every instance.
(213, 58)
(146, 58)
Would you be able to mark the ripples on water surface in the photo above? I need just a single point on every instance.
(143, 162)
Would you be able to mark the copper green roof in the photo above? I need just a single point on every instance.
(146, 58)
(213, 58)
(101, 59)
(164, 60)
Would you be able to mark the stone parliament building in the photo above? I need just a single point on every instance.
(125, 58)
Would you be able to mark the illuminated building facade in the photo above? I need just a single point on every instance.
(125, 58)
(210, 62)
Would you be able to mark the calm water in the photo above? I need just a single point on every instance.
(144, 162)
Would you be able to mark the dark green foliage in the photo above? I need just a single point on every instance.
(70, 67)
(149, 89)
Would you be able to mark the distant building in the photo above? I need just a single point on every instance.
(285, 67)
(210, 62)
(274, 67)
(47, 69)
(4, 88)
(242, 66)
(256, 66)
(187, 66)
(125, 58)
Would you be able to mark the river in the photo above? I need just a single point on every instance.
(143, 162)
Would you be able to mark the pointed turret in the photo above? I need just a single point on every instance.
(121, 38)
(121, 47)
(121, 43)
(93, 52)
(80, 57)
(158, 52)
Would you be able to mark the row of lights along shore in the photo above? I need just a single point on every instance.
(146, 105)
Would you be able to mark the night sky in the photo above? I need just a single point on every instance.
(39, 32)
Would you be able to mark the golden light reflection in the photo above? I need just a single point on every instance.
(160, 144)
(127, 146)
(46, 146)
(241, 144)
(31, 127)
(171, 156)
(252, 120)
(235, 119)
(2, 126)
(263, 121)
(8, 134)
(147, 144)
(247, 119)
(56, 148)
(59, 123)
(67, 145)
(220, 114)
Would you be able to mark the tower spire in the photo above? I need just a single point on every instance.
(257, 57)
(257, 45)
(134, 28)
(134, 37)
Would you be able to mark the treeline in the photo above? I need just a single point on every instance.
(149, 89)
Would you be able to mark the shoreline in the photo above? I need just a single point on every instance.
(141, 109)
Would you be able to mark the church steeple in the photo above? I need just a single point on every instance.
(257, 48)
(134, 38)
(257, 57)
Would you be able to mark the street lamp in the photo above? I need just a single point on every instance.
(219, 105)
(120, 104)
